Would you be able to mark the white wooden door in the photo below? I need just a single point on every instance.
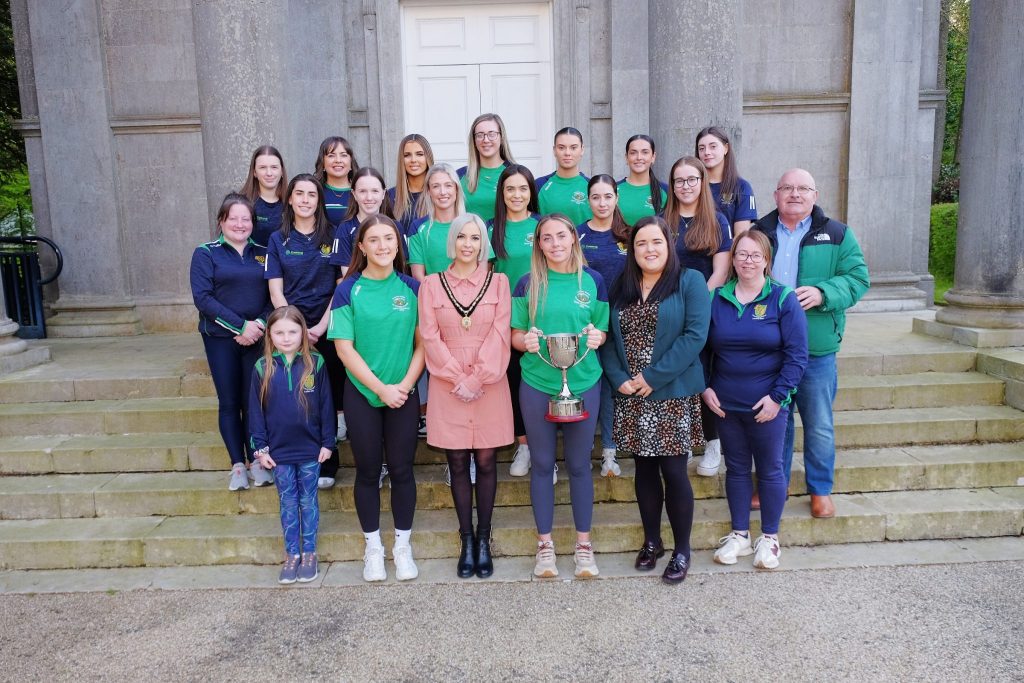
(462, 60)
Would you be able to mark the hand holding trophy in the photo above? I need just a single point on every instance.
(562, 351)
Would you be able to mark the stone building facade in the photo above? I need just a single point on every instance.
(139, 116)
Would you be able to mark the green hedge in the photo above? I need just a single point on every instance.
(942, 247)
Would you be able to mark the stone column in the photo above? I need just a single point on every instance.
(988, 290)
(696, 77)
(884, 149)
(78, 156)
(241, 57)
(15, 353)
(630, 65)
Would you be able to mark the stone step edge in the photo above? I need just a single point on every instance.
(514, 569)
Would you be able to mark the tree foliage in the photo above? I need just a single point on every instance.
(956, 77)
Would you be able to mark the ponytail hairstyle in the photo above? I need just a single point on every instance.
(358, 263)
(251, 186)
(539, 263)
(501, 211)
(730, 176)
(290, 314)
(403, 195)
(473, 164)
(653, 180)
(626, 290)
(329, 145)
(704, 234)
(322, 229)
(230, 199)
(353, 206)
(620, 229)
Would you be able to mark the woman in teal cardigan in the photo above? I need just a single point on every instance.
(659, 323)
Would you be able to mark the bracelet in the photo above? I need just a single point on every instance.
(262, 452)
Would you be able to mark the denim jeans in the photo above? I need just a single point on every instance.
(300, 507)
(814, 397)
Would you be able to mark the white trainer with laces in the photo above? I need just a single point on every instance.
(373, 564)
(405, 567)
(545, 567)
(712, 459)
(325, 483)
(260, 475)
(239, 478)
(609, 465)
(586, 566)
(732, 546)
(520, 461)
(342, 428)
(384, 475)
(766, 552)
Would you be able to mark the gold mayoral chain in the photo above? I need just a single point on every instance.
(466, 311)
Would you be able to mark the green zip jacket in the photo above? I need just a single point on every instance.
(831, 260)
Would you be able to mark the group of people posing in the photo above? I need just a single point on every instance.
(332, 306)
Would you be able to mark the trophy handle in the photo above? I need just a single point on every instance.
(587, 348)
(541, 335)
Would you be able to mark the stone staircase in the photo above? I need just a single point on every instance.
(118, 464)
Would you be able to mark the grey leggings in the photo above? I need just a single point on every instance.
(578, 444)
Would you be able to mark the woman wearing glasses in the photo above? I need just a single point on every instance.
(702, 243)
(757, 353)
(488, 156)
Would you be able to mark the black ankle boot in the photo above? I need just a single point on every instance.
(484, 563)
(466, 562)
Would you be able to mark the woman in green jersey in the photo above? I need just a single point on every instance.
(640, 193)
(488, 155)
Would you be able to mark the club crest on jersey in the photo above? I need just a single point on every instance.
(760, 310)
(649, 203)
(325, 250)
(529, 240)
(621, 246)
(309, 384)
(582, 299)
(399, 303)
(578, 197)
(262, 260)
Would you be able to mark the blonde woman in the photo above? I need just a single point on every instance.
(489, 154)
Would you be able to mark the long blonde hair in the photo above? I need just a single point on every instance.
(291, 314)
(473, 163)
(403, 195)
(426, 204)
(539, 262)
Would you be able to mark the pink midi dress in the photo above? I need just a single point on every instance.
(476, 357)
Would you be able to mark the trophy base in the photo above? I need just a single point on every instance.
(566, 410)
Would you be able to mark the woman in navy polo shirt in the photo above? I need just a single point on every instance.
(228, 289)
(299, 273)
(265, 189)
(335, 168)
(733, 195)
(757, 354)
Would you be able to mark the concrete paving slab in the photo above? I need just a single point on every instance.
(50, 495)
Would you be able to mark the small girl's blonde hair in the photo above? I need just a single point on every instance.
(290, 314)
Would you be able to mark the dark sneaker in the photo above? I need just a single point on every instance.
(308, 570)
(289, 572)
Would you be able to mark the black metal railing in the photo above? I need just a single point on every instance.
(23, 282)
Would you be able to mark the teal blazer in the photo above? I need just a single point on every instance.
(675, 370)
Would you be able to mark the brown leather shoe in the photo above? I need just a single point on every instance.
(822, 507)
(755, 501)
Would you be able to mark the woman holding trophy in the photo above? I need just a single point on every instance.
(659, 322)
(558, 307)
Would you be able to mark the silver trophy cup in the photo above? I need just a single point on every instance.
(562, 351)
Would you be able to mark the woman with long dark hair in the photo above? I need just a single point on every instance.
(415, 158)
(641, 193)
(733, 195)
(264, 187)
(299, 273)
(659, 323)
(335, 167)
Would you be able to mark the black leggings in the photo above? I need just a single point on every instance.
(336, 376)
(515, 378)
(676, 495)
(462, 488)
(378, 434)
(708, 422)
(231, 368)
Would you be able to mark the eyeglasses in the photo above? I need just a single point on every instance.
(686, 182)
(803, 190)
(491, 135)
(753, 257)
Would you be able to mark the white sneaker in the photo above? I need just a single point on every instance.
(342, 428)
(384, 475)
(405, 567)
(422, 431)
(708, 465)
(766, 552)
(373, 564)
(472, 469)
(447, 476)
(325, 483)
(260, 476)
(239, 478)
(520, 462)
(609, 465)
(586, 567)
(554, 475)
(732, 546)
(545, 567)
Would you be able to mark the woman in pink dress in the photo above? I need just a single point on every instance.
(465, 315)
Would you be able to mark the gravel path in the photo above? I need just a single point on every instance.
(954, 622)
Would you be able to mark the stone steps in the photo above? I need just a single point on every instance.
(256, 538)
(205, 493)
